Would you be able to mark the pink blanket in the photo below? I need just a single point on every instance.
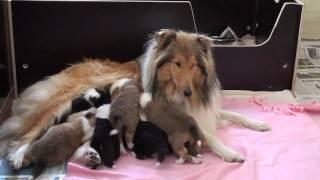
(290, 151)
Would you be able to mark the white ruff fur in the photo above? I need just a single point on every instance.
(118, 84)
(207, 118)
(145, 99)
(149, 66)
(103, 111)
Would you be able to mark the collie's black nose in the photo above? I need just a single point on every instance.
(187, 92)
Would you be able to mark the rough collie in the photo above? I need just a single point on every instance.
(177, 65)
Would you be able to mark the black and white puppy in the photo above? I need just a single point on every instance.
(105, 141)
(149, 140)
(93, 97)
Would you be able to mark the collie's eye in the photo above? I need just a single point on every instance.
(178, 64)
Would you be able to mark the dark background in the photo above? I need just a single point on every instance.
(61, 32)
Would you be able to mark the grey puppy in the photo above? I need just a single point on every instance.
(124, 110)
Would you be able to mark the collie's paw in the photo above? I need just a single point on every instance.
(92, 158)
(234, 157)
(259, 126)
(16, 158)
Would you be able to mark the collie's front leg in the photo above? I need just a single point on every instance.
(16, 156)
(244, 121)
(223, 151)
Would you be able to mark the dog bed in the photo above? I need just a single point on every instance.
(289, 151)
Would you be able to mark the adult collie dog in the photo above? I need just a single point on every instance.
(177, 65)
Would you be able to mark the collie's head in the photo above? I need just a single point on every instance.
(179, 67)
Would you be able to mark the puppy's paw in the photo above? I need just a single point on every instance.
(123, 150)
(92, 158)
(180, 160)
(195, 160)
(259, 126)
(158, 164)
(130, 145)
(133, 154)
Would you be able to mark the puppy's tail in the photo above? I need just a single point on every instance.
(196, 134)
(145, 98)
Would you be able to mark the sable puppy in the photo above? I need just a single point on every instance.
(180, 127)
(124, 110)
(60, 141)
(107, 146)
(148, 140)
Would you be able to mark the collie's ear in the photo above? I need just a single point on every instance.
(164, 38)
(205, 42)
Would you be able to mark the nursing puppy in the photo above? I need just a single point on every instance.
(124, 110)
(149, 140)
(60, 141)
(93, 97)
(107, 146)
(180, 127)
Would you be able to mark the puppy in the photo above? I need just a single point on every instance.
(60, 141)
(108, 146)
(148, 140)
(181, 128)
(124, 110)
(93, 97)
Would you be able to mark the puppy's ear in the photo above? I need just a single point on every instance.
(204, 42)
(164, 38)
